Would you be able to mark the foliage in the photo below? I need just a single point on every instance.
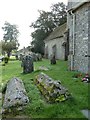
(59, 11)
(45, 24)
(9, 41)
(11, 32)
(37, 42)
(7, 46)
(38, 107)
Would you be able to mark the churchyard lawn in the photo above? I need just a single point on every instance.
(38, 107)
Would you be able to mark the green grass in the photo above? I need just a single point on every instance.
(38, 107)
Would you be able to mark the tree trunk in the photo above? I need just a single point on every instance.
(8, 54)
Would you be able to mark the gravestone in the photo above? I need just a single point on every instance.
(51, 89)
(16, 57)
(53, 59)
(27, 64)
(39, 57)
(21, 57)
(15, 96)
(34, 57)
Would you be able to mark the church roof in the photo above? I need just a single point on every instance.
(74, 4)
(57, 33)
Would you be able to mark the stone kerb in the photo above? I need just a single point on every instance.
(51, 89)
(15, 96)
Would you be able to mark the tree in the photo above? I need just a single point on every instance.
(43, 27)
(10, 41)
(45, 24)
(37, 43)
(59, 11)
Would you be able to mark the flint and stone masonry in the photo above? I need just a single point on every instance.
(78, 22)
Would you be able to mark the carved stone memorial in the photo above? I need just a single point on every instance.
(27, 64)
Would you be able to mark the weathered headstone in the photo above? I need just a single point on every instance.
(51, 89)
(39, 57)
(27, 64)
(21, 57)
(34, 57)
(15, 96)
(53, 59)
(16, 57)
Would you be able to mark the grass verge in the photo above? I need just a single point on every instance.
(38, 107)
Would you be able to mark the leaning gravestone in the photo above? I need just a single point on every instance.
(51, 89)
(27, 64)
(15, 96)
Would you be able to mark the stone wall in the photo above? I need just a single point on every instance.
(81, 38)
(60, 50)
(89, 38)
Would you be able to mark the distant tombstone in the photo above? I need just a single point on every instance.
(16, 57)
(53, 59)
(27, 64)
(39, 56)
(21, 56)
(34, 57)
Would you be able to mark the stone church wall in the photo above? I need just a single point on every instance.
(81, 43)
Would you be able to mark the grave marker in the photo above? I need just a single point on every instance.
(15, 96)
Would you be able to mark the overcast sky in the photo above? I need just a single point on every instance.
(23, 13)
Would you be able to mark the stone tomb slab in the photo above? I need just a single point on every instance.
(15, 96)
(51, 89)
(86, 113)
